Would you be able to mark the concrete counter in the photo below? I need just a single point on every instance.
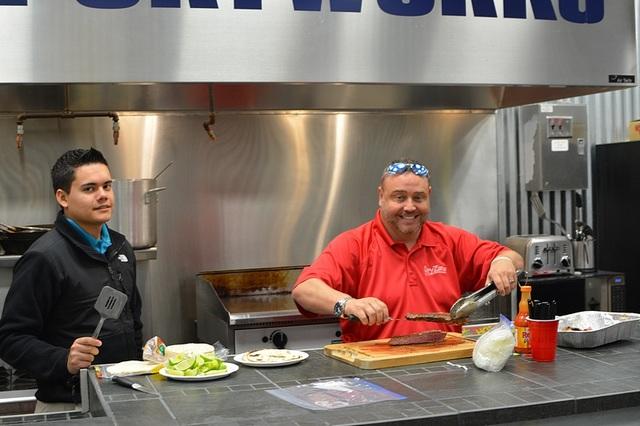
(579, 381)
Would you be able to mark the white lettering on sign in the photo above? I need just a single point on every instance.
(435, 269)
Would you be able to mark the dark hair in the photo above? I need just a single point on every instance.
(64, 170)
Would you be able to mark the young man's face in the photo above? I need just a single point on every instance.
(404, 205)
(90, 199)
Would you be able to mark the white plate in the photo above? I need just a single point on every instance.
(231, 368)
(301, 357)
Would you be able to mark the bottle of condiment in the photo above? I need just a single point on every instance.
(522, 329)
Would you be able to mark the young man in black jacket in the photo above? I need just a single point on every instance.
(49, 313)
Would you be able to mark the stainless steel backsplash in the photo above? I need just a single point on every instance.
(273, 189)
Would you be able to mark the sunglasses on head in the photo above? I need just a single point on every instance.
(415, 168)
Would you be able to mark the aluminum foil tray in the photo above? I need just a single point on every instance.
(589, 329)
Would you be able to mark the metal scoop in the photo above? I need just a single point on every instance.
(467, 305)
(109, 305)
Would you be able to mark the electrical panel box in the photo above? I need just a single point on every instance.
(555, 146)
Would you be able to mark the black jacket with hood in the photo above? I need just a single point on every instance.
(51, 303)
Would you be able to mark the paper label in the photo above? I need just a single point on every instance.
(522, 338)
(559, 145)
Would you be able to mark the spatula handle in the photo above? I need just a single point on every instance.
(96, 332)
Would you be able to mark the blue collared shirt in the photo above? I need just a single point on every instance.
(100, 245)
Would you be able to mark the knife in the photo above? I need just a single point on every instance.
(127, 383)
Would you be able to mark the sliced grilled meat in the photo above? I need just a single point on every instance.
(442, 317)
(431, 336)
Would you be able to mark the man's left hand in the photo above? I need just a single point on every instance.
(503, 274)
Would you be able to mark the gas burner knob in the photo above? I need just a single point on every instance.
(537, 263)
(279, 339)
(265, 339)
(565, 261)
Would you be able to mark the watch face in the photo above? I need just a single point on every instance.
(337, 309)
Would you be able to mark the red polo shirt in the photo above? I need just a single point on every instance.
(444, 263)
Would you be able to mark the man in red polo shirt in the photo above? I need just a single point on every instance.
(399, 262)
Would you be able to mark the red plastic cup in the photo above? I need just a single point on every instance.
(543, 335)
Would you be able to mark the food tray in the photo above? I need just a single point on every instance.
(589, 329)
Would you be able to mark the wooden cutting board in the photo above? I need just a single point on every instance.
(372, 354)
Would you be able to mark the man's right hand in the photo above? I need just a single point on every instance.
(369, 310)
(82, 353)
(317, 296)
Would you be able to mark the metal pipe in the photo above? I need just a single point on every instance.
(65, 114)
(212, 116)
(207, 126)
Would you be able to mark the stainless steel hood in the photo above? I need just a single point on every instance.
(128, 55)
(167, 97)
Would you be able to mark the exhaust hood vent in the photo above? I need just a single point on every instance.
(343, 55)
(168, 97)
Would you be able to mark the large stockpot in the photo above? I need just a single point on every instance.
(136, 210)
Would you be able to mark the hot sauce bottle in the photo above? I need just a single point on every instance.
(522, 329)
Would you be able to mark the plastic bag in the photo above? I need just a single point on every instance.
(339, 393)
(154, 350)
(494, 348)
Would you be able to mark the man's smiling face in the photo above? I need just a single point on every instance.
(90, 199)
(404, 205)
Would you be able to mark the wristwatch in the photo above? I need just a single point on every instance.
(338, 308)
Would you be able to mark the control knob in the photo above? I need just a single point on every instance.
(537, 263)
(565, 261)
(279, 339)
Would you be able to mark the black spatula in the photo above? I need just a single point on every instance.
(109, 305)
